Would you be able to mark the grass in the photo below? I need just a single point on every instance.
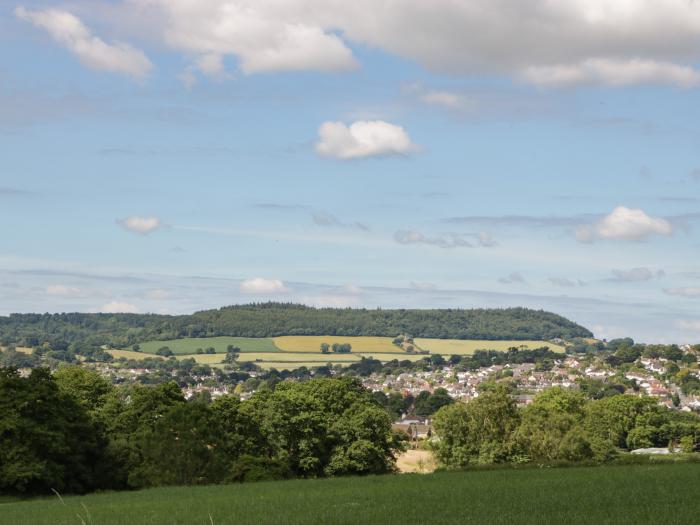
(312, 343)
(469, 346)
(639, 494)
(290, 357)
(189, 345)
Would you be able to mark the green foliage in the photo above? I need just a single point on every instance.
(274, 319)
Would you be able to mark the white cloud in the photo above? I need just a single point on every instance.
(117, 307)
(447, 99)
(69, 31)
(613, 73)
(263, 286)
(543, 42)
(636, 275)
(626, 224)
(265, 35)
(414, 237)
(61, 290)
(688, 292)
(363, 139)
(140, 225)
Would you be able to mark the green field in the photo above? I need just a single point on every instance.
(189, 345)
(469, 346)
(638, 494)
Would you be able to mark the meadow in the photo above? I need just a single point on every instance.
(639, 494)
(449, 347)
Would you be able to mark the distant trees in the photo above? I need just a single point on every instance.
(341, 348)
(273, 319)
(325, 348)
(559, 426)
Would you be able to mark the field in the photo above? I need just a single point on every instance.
(469, 346)
(312, 343)
(639, 494)
(189, 345)
(288, 352)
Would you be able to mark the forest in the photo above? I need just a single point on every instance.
(276, 319)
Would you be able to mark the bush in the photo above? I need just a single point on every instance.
(252, 468)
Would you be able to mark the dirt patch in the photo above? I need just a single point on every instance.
(421, 461)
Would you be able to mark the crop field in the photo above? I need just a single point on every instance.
(22, 349)
(639, 494)
(390, 357)
(312, 343)
(190, 345)
(297, 356)
(449, 347)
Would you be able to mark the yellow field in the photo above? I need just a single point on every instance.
(390, 357)
(312, 343)
(297, 357)
(128, 354)
(289, 366)
(22, 349)
(468, 347)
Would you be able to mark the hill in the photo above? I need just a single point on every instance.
(276, 319)
(639, 494)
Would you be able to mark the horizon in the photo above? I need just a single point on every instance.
(165, 157)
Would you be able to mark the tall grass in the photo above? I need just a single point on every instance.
(639, 494)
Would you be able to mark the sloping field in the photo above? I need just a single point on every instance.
(469, 346)
(638, 494)
(290, 357)
(128, 354)
(312, 343)
(390, 357)
(189, 345)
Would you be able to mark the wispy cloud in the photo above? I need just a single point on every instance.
(324, 218)
(636, 275)
(513, 278)
(688, 292)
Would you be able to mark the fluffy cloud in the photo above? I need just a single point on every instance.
(513, 278)
(688, 292)
(264, 35)
(118, 307)
(140, 225)
(362, 139)
(626, 224)
(636, 275)
(260, 285)
(69, 31)
(540, 41)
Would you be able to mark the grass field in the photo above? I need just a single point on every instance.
(189, 345)
(312, 343)
(22, 349)
(295, 356)
(638, 494)
(469, 346)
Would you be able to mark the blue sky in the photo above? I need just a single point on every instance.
(173, 156)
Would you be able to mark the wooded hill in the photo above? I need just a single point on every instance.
(275, 319)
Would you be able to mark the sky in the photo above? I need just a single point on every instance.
(170, 156)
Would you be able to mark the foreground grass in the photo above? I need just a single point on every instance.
(637, 494)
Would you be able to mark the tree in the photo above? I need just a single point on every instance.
(480, 431)
(87, 387)
(164, 351)
(47, 439)
(325, 348)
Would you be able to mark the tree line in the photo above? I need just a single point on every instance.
(93, 331)
(73, 431)
(560, 425)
